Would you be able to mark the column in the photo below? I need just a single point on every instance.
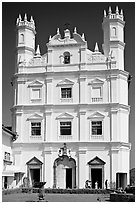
(81, 167)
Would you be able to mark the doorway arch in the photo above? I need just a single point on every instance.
(64, 172)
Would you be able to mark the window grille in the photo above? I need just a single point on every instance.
(96, 127)
(66, 92)
(36, 129)
(65, 128)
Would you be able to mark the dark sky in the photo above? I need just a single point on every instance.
(48, 16)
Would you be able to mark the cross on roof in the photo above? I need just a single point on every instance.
(67, 25)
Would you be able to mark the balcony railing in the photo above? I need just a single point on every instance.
(66, 100)
(97, 137)
(65, 137)
(96, 100)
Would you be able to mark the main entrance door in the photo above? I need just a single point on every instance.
(64, 172)
(96, 175)
(69, 178)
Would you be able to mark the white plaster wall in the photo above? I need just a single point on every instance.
(123, 91)
(124, 126)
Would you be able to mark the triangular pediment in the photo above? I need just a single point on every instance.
(65, 82)
(65, 116)
(96, 115)
(96, 161)
(34, 161)
(35, 83)
(96, 81)
(35, 116)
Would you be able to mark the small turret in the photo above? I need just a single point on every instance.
(25, 17)
(105, 13)
(117, 11)
(38, 55)
(96, 48)
(50, 38)
(109, 11)
(75, 30)
(58, 32)
(83, 36)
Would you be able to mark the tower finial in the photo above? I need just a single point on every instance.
(25, 17)
(50, 38)
(19, 17)
(17, 21)
(58, 33)
(121, 13)
(75, 30)
(83, 36)
(117, 11)
(96, 48)
(38, 51)
(109, 11)
(31, 19)
(105, 13)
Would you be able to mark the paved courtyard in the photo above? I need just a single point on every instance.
(26, 197)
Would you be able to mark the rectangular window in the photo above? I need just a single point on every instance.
(65, 128)
(35, 93)
(96, 127)
(7, 156)
(66, 92)
(36, 129)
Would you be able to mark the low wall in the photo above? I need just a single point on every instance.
(122, 197)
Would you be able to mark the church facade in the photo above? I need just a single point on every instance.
(71, 109)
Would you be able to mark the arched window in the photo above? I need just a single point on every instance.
(21, 38)
(114, 31)
(66, 58)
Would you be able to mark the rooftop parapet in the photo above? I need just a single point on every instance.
(116, 15)
(25, 22)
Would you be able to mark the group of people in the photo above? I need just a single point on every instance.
(88, 184)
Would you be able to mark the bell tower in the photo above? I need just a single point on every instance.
(113, 29)
(25, 39)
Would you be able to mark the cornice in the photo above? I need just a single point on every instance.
(115, 107)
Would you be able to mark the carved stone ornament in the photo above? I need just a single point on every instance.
(64, 151)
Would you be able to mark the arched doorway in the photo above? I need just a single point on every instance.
(64, 169)
(64, 172)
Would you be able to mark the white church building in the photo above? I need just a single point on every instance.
(71, 109)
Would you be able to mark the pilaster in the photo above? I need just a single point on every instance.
(82, 163)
